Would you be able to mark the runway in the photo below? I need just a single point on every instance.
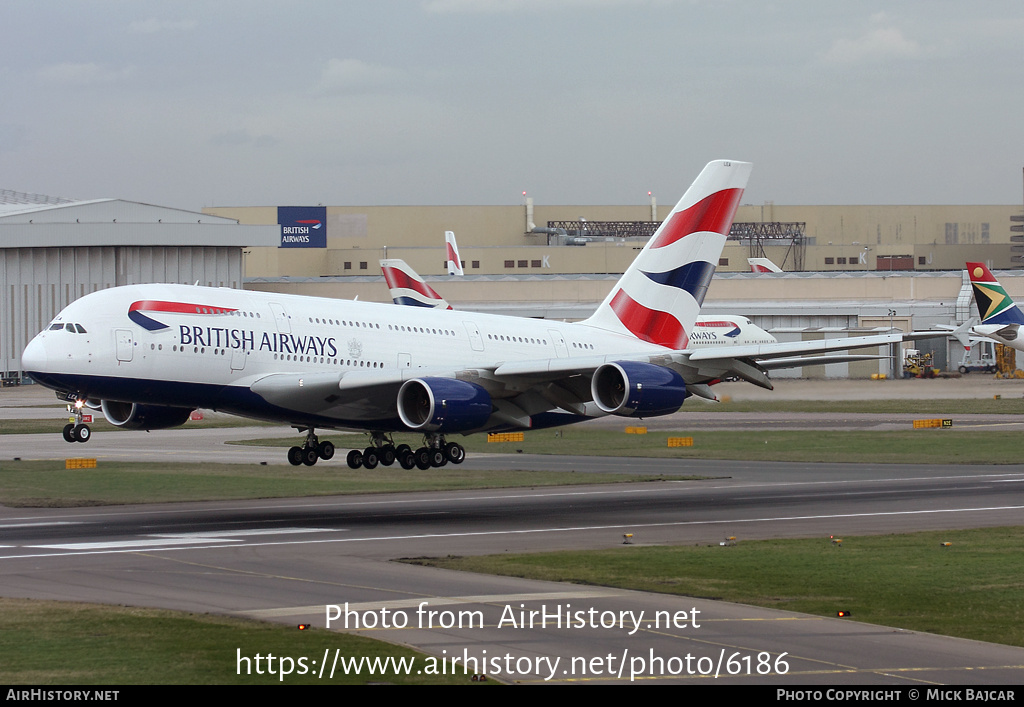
(290, 560)
(287, 560)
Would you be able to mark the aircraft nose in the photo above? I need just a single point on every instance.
(34, 357)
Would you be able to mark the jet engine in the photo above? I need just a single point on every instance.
(635, 389)
(133, 416)
(443, 405)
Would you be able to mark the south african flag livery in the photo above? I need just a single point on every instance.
(994, 305)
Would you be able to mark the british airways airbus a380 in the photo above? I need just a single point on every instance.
(148, 355)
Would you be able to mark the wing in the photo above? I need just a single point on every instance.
(525, 394)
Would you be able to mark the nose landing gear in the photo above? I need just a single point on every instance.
(77, 431)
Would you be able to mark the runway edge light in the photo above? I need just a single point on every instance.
(302, 627)
(843, 613)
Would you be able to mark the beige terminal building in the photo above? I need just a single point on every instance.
(848, 269)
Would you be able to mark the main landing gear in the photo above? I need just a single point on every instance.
(77, 431)
(435, 452)
(311, 450)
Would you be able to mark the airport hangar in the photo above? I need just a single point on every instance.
(848, 269)
(55, 250)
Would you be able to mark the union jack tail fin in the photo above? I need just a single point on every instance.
(659, 296)
(454, 264)
(760, 265)
(994, 305)
(407, 287)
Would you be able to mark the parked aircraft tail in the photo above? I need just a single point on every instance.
(452, 249)
(762, 265)
(994, 305)
(407, 287)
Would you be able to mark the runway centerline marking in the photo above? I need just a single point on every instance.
(487, 533)
(697, 485)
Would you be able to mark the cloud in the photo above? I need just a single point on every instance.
(84, 73)
(509, 6)
(243, 137)
(878, 44)
(13, 137)
(153, 26)
(356, 75)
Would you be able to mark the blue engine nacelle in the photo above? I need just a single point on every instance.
(132, 416)
(634, 389)
(443, 405)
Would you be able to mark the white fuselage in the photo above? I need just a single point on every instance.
(219, 342)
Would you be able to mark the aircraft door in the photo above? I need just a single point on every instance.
(238, 359)
(284, 326)
(475, 340)
(561, 350)
(124, 344)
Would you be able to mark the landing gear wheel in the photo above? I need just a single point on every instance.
(407, 460)
(455, 452)
(295, 456)
(309, 456)
(82, 433)
(325, 449)
(402, 449)
(69, 433)
(422, 458)
(386, 455)
(354, 459)
(370, 458)
(437, 458)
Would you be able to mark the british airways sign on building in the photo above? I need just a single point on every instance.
(303, 226)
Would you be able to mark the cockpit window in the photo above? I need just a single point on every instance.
(70, 327)
(79, 328)
(55, 327)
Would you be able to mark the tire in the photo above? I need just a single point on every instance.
(309, 456)
(407, 460)
(69, 433)
(325, 450)
(455, 452)
(82, 433)
(370, 459)
(438, 458)
(354, 459)
(295, 456)
(963, 369)
(386, 455)
(402, 449)
(422, 458)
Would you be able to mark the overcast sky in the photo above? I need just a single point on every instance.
(193, 104)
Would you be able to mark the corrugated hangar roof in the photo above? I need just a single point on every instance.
(59, 210)
(39, 221)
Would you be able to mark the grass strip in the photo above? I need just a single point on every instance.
(62, 643)
(925, 446)
(49, 484)
(971, 589)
